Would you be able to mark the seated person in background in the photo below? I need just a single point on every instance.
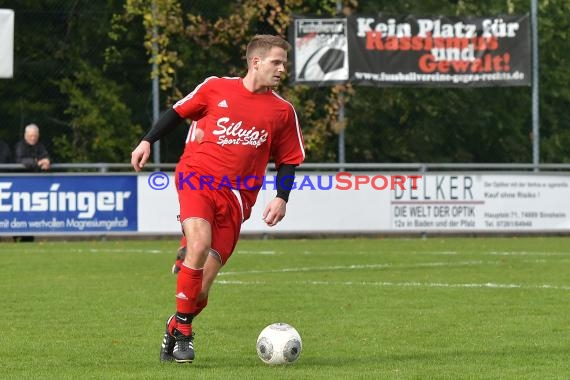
(5, 154)
(30, 152)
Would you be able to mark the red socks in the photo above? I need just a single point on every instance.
(188, 286)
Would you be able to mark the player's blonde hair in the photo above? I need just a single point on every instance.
(262, 43)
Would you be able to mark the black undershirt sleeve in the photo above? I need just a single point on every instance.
(166, 124)
(285, 178)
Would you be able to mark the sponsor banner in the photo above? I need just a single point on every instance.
(329, 202)
(158, 204)
(67, 204)
(321, 202)
(483, 202)
(387, 202)
(440, 51)
(412, 50)
(436, 202)
(320, 54)
(309, 210)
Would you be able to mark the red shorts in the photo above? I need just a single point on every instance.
(220, 207)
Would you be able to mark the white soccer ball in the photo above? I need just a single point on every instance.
(279, 343)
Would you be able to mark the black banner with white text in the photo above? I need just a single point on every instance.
(410, 50)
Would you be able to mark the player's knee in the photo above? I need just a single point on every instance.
(199, 248)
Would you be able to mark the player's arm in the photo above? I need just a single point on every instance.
(288, 153)
(166, 124)
(275, 210)
(285, 179)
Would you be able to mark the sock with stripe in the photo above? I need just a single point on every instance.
(188, 286)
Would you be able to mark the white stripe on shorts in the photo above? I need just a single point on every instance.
(238, 196)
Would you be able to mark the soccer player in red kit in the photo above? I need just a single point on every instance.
(242, 124)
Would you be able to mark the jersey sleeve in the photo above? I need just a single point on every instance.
(289, 147)
(194, 105)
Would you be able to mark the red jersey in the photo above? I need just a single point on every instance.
(242, 132)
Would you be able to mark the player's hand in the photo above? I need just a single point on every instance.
(274, 211)
(140, 155)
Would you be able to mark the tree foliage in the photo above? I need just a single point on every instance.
(101, 131)
(84, 114)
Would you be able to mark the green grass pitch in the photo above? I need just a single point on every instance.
(435, 308)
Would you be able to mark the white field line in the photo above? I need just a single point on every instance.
(488, 285)
(240, 252)
(492, 253)
(95, 250)
(139, 250)
(361, 266)
(525, 253)
(118, 250)
(440, 253)
(433, 252)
